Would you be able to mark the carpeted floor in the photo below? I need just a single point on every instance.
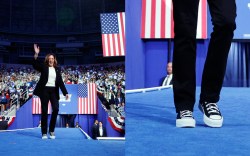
(150, 126)
(68, 142)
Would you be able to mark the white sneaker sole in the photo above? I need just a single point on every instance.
(44, 138)
(182, 123)
(212, 122)
(52, 137)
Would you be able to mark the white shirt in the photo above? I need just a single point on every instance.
(101, 131)
(167, 80)
(52, 77)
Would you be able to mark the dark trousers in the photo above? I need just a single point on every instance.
(223, 13)
(49, 94)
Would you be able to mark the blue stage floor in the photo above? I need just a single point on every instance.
(150, 126)
(68, 142)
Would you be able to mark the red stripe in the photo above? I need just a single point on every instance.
(163, 17)
(114, 126)
(172, 21)
(143, 19)
(114, 50)
(103, 46)
(123, 32)
(108, 53)
(91, 99)
(152, 32)
(204, 19)
(86, 104)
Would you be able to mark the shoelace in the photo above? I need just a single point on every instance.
(212, 108)
(186, 114)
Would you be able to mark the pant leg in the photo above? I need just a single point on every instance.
(44, 106)
(55, 109)
(223, 14)
(184, 56)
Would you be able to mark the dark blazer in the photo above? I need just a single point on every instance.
(104, 132)
(94, 131)
(44, 70)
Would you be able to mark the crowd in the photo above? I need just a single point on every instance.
(18, 81)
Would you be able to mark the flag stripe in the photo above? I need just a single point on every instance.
(143, 18)
(157, 19)
(121, 22)
(148, 18)
(204, 19)
(163, 18)
(153, 8)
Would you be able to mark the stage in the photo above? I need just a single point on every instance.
(69, 141)
(150, 128)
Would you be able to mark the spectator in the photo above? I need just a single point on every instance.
(95, 129)
(168, 79)
(67, 125)
(77, 125)
(102, 130)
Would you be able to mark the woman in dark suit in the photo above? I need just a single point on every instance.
(47, 89)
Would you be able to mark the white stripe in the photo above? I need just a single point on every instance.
(120, 34)
(124, 40)
(106, 43)
(120, 119)
(168, 21)
(95, 108)
(86, 105)
(111, 45)
(158, 19)
(199, 26)
(90, 98)
(148, 19)
(116, 45)
(116, 125)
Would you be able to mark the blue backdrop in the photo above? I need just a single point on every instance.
(146, 59)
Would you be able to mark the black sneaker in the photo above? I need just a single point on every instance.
(212, 116)
(185, 119)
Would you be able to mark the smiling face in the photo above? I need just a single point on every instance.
(50, 60)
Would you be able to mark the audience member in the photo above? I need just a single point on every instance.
(95, 129)
(168, 79)
(102, 130)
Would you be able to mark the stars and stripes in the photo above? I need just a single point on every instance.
(36, 105)
(113, 34)
(157, 19)
(87, 99)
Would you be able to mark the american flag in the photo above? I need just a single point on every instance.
(157, 19)
(87, 99)
(113, 34)
(36, 105)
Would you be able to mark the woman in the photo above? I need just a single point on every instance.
(47, 89)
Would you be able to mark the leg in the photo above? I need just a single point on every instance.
(55, 108)
(184, 57)
(223, 14)
(44, 106)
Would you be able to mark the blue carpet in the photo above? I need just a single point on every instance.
(69, 141)
(150, 126)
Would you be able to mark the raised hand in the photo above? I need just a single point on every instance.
(36, 49)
